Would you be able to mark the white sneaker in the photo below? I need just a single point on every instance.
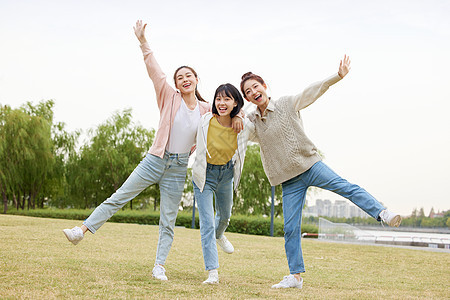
(159, 272)
(213, 277)
(289, 282)
(225, 244)
(390, 218)
(74, 235)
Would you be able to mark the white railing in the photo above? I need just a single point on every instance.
(345, 232)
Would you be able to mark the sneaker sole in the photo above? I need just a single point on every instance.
(227, 252)
(162, 279)
(223, 249)
(287, 287)
(396, 221)
(278, 286)
(68, 238)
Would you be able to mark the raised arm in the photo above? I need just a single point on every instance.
(163, 90)
(317, 89)
(139, 31)
(344, 66)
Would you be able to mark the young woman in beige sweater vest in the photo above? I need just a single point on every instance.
(291, 159)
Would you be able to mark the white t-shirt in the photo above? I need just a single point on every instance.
(184, 129)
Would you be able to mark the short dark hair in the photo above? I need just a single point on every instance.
(231, 91)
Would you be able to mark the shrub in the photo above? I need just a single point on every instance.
(238, 223)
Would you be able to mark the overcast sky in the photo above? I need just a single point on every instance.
(386, 126)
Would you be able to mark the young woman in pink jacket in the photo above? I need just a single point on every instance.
(166, 161)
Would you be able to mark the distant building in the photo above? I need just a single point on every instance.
(436, 215)
(338, 209)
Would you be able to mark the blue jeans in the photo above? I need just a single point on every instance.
(294, 192)
(219, 183)
(170, 173)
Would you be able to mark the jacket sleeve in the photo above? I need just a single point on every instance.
(250, 127)
(313, 92)
(164, 92)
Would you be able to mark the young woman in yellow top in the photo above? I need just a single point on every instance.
(219, 160)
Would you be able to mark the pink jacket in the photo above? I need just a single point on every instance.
(169, 101)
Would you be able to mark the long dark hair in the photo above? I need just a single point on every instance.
(232, 92)
(248, 76)
(197, 94)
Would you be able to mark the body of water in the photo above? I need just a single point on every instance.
(420, 239)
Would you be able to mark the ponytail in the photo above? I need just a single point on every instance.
(199, 97)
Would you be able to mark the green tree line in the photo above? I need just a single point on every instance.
(418, 219)
(44, 165)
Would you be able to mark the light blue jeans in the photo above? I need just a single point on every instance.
(294, 192)
(170, 173)
(219, 183)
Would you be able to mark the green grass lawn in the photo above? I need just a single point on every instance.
(37, 261)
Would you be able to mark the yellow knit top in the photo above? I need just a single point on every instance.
(221, 143)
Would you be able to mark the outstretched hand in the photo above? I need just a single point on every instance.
(344, 66)
(139, 31)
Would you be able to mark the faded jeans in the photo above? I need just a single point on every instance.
(219, 183)
(170, 173)
(294, 192)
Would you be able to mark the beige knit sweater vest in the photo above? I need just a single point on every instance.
(286, 151)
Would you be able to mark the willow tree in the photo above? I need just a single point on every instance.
(254, 192)
(4, 171)
(26, 152)
(64, 147)
(115, 148)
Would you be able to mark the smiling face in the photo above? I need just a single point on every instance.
(227, 101)
(224, 104)
(255, 92)
(185, 80)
